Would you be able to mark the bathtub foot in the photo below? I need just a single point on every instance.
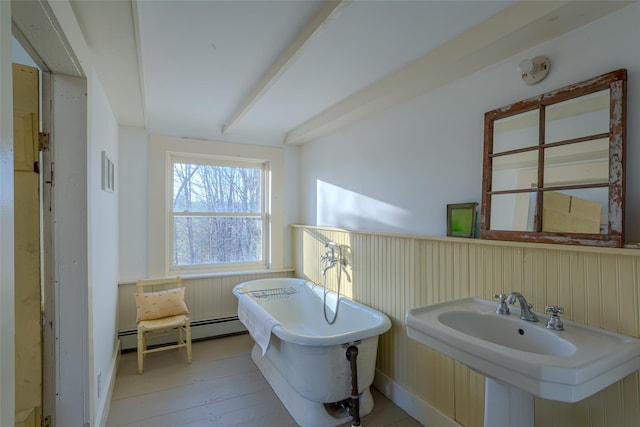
(305, 412)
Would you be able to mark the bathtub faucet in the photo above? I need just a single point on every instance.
(332, 260)
(330, 257)
(328, 267)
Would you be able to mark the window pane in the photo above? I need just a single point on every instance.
(216, 240)
(513, 212)
(515, 171)
(577, 117)
(519, 131)
(211, 188)
(580, 163)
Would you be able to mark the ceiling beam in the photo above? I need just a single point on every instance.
(514, 29)
(329, 10)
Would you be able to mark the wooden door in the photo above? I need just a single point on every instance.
(28, 331)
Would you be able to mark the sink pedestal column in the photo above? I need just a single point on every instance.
(506, 406)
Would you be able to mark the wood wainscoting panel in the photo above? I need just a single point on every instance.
(393, 273)
(206, 297)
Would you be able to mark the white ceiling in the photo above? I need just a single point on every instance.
(290, 71)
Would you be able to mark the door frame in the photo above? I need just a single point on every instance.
(7, 279)
(47, 263)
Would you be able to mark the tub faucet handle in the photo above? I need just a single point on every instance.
(502, 307)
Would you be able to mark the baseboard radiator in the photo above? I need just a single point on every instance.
(200, 330)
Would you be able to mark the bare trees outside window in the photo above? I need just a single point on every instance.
(219, 213)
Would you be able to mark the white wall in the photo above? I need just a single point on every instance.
(398, 170)
(19, 55)
(133, 161)
(103, 244)
(291, 199)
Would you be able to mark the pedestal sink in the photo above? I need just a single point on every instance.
(521, 359)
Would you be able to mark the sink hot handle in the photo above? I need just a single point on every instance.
(502, 307)
(554, 321)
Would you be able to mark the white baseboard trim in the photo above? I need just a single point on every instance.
(102, 413)
(423, 412)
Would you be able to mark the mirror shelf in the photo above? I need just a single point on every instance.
(553, 168)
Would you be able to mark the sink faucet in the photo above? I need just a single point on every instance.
(525, 308)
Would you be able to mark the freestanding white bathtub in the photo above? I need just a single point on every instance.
(306, 362)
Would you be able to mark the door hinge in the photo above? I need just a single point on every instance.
(46, 421)
(43, 141)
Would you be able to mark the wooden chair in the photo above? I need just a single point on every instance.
(161, 312)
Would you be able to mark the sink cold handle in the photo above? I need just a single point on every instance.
(502, 307)
(554, 321)
(554, 310)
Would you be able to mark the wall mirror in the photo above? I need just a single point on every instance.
(553, 167)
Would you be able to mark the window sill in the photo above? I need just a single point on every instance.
(221, 274)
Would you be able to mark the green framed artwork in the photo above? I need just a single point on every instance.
(461, 219)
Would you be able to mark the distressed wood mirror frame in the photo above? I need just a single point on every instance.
(610, 230)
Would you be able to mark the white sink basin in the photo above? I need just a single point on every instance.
(510, 332)
(567, 365)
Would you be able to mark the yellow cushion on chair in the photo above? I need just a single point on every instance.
(155, 305)
(163, 323)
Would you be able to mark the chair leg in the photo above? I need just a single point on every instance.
(141, 348)
(188, 331)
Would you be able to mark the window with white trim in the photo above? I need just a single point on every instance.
(218, 215)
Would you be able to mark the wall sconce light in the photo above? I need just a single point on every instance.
(534, 70)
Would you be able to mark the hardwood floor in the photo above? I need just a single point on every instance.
(221, 388)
